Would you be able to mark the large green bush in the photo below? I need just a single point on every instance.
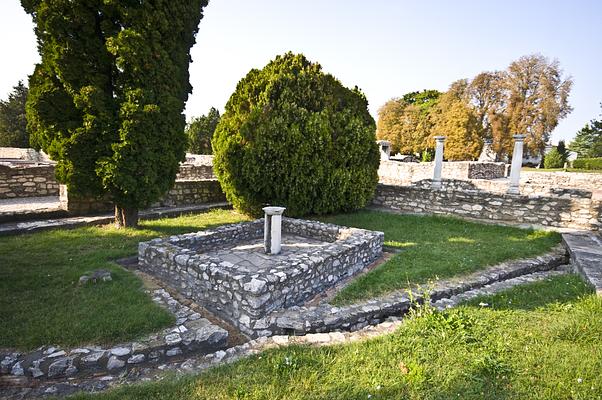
(296, 137)
(553, 159)
(588, 163)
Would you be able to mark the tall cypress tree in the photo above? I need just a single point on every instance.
(106, 102)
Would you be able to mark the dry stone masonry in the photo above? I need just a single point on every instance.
(191, 334)
(227, 271)
(568, 208)
(405, 173)
(19, 180)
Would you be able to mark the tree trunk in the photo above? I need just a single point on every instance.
(126, 217)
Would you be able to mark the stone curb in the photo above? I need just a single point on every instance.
(585, 249)
(191, 334)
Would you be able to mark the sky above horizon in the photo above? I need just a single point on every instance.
(385, 47)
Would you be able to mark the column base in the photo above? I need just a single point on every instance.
(436, 185)
(513, 190)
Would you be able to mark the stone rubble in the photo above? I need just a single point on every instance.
(192, 335)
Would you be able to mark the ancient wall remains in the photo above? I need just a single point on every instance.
(27, 180)
(404, 173)
(193, 192)
(560, 208)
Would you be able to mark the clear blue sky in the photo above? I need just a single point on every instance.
(386, 47)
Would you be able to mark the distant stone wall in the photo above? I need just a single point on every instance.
(402, 173)
(195, 172)
(23, 154)
(76, 205)
(581, 180)
(183, 193)
(27, 180)
(193, 192)
(561, 208)
(196, 166)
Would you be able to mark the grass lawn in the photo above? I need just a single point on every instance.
(41, 302)
(539, 341)
(587, 171)
(435, 246)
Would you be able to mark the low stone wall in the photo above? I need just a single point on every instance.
(243, 294)
(561, 208)
(191, 334)
(580, 180)
(196, 167)
(27, 180)
(183, 193)
(327, 318)
(187, 192)
(403, 173)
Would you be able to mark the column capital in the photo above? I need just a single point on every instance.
(519, 138)
(440, 138)
(273, 210)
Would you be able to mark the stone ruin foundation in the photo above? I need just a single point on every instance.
(228, 271)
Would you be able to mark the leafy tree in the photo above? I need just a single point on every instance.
(537, 99)
(200, 132)
(13, 124)
(458, 122)
(485, 96)
(588, 141)
(294, 136)
(406, 121)
(106, 100)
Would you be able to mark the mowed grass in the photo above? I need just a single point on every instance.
(540, 341)
(587, 171)
(41, 302)
(435, 247)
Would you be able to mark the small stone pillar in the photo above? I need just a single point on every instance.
(517, 163)
(487, 154)
(438, 162)
(272, 231)
(385, 149)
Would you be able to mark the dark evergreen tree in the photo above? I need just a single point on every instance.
(561, 148)
(106, 101)
(200, 132)
(588, 141)
(13, 124)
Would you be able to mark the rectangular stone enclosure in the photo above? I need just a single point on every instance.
(227, 271)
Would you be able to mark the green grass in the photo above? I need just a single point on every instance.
(41, 302)
(540, 341)
(587, 171)
(435, 247)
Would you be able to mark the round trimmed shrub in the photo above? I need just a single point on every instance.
(294, 136)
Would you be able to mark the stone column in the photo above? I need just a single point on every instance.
(438, 162)
(517, 163)
(272, 231)
(385, 149)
